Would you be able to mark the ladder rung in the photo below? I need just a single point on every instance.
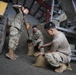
(56, 19)
(73, 55)
(56, 5)
(56, 12)
(73, 50)
(73, 58)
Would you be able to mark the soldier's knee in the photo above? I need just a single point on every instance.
(42, 50)
(55, 55)
(48, 56)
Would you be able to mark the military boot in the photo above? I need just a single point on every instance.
(61, 68)
(40, 61)
(11, 55)
(30, 49)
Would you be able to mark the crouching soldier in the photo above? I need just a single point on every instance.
(38, 41)
(15, 30)
(38, 38)
(60, 53)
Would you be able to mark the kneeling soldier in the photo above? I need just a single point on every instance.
(38, 38)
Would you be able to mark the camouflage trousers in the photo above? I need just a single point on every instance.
(14, 37)
(55, 58)
(38, 44)
(42, 49)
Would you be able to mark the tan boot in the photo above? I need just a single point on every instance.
(30, 49)
(11, 54)
(40, 61)
(61, 69)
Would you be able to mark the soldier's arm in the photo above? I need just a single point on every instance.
(48, 44)
(17, 8)
(37, 41)
(24, 20)
(40, 36)
(45, 45)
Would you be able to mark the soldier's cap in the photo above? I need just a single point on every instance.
(16, 5)
(35, 26)
(49, 25)
(26, 7)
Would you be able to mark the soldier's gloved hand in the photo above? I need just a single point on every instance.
(17, 6)
(35, 43)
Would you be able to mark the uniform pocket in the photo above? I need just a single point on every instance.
(14, 31)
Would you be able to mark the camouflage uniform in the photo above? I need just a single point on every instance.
(62, 53)
(15, 31)
(38, 39)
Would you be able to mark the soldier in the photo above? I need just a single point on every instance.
(38, 38)
(15, 30)
(60, 52)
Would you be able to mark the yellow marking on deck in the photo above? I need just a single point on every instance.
(3, 6)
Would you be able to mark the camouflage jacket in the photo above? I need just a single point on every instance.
(18, 20)
(38, 37)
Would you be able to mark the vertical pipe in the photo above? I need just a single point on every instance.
(52, 9)
(74, 5)
(47, 15)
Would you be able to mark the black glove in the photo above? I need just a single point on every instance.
(16, 8)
